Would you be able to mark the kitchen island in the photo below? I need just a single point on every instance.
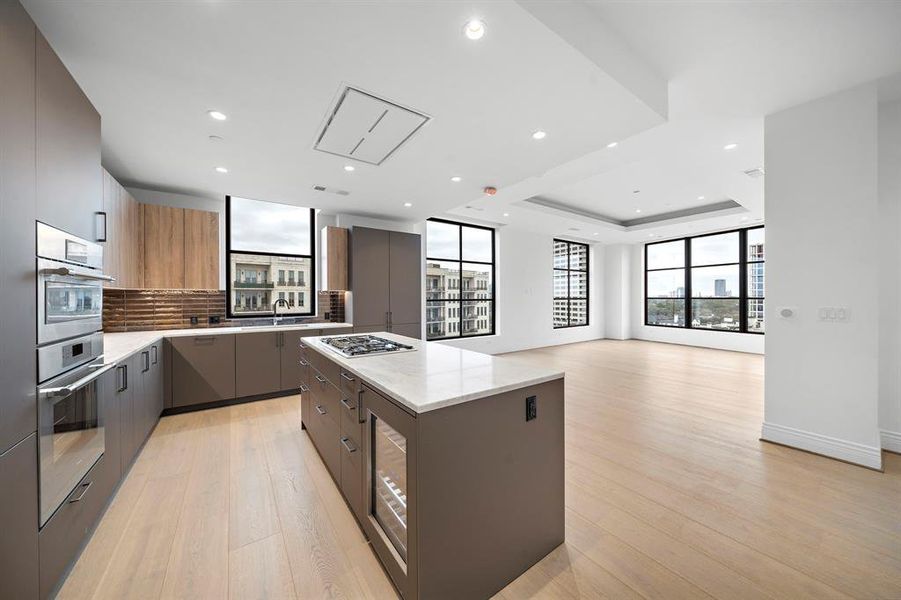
(451, 460)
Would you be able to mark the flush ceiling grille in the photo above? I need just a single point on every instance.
(367, 128)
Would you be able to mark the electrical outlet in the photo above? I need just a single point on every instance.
(531, 408)
(195, 320)
(215, 320)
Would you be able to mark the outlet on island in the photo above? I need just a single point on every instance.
(531, 408)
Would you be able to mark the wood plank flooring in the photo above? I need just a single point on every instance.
(669, 495)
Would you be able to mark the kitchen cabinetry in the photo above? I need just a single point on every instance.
(203, 369)
(201, 250)
(123, 251)
(334, 258)
(386, 280)
(258, 363)
(293, 372)
(19, 520)
(18, 408)
(148, 399)
(69, 176)
(164, 247)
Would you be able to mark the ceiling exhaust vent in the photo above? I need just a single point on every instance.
(367, 128)
(327, 190)
(755, 173)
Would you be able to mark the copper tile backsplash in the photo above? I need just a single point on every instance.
(146, 310)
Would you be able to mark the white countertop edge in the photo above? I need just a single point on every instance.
(316, 344)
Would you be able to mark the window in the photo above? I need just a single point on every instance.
(459, 280)
(713, 281)
(264, 243)
(570, 284)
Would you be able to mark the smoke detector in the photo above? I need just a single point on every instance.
(328, 190)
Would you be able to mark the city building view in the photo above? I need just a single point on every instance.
(260, 280)
(570, 284)
(459, 301)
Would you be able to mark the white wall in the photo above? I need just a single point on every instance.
(822, 251)
(890, 275)
(525, 296)
(722, 340)
(146, 196)
(617, 291)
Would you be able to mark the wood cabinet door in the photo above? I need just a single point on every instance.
(203, 369)
(132, 247)
(369, 276)
(164, 247)
(69, 176)
(405, 277)
(18, 408)
(258, 363)
(201, 250)
(19, 520)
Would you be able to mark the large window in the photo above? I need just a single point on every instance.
(459, 281)
(570, 284)
(713, 281)
(271, 256)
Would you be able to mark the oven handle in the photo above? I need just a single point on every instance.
(70, 389)
(67, 272)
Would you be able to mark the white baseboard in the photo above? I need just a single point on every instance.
(852, 452)
(891, 441)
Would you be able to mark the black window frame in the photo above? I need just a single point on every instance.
(229, 276)
(687, 298)
(569, 297)
(459, 301)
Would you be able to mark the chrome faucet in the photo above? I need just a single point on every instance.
(275, 318)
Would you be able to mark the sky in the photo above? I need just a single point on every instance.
(258, 226)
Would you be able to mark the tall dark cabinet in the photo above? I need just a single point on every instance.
(69, 175)
(386, 281)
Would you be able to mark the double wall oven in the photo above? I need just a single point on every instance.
(70, 363)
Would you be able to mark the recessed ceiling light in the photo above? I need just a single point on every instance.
(700, 197)
(221, 170)
(638, 210)
(539, 135)
(613, 144)
(474, 29)
(349, 168)
(456, 179)
(219, 116)
(595, 233)
(408, 204)
(744, 219)
(651, 235)
(506, 214)
(730, 146)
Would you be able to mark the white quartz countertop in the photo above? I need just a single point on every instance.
(435, 375)
(117, 346)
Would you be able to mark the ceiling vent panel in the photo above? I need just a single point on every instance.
(366, 128)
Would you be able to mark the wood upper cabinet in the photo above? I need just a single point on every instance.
(164, 247)
(334, 258)
(69, 176)
(123, 253)
(201, 250)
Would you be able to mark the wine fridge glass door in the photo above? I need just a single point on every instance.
(389, 482)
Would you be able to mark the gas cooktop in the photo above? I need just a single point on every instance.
(364, 345)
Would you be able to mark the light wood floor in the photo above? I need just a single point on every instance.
(669, 495)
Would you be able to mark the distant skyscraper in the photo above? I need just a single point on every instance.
(720, 288)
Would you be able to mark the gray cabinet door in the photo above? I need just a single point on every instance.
(292, 374)
(203, 369)
(126, 374)
(413, 330)
(112, 419)
(258, 363)
(369, 276)
(404, 277)
(18, 405)
(157, 379)
(69, 176)
(19, 520)
(138, 400)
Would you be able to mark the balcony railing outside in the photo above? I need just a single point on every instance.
(253, 285)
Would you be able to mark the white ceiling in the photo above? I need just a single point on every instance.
(153, 69)
(586, 72)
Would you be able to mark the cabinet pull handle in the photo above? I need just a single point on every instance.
(145, 356)
(303, 346)
(303, 388)
(83, 490)
(346, 377)
(347, 404)
(204, 339)
(123, 374)
(350, 447)
(304, 363)
(321, 379)
(321, 410)
(156, 354)
(360, 418)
